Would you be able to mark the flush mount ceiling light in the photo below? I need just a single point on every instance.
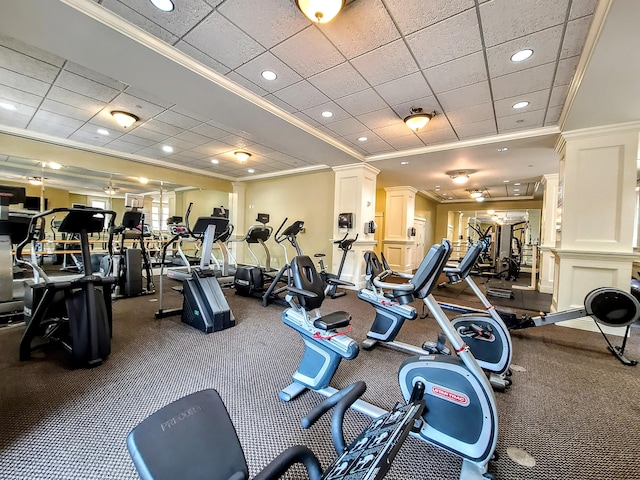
(103, 131)
(418, 119)
(521, 55)
(460, 176)
(143, 180)
(124, 119)
(269, 75)
(35, 181)
(167, 148)
(475, 193)
(251, 170)
(110, 190)
(242, 156)
(215, 161)
(164, 5)
(327, 114)
(362, 139)
(8, 106)
(320, 11)
(52, 165)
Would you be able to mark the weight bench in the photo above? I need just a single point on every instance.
(194, 438)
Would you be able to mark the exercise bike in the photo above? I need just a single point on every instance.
(345, 245)
(205, 444)
(460, 415)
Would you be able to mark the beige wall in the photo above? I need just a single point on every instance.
(204, 202)
(427, 208)
(307, 197)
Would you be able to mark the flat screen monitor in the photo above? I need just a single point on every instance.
(33, 203)
(15, 194)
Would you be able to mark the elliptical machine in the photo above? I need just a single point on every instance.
(74, 312)
(460, 415)
(345, 245)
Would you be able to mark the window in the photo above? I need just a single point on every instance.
(155, 216)
(99, 204)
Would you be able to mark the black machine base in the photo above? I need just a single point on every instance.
(204, 305)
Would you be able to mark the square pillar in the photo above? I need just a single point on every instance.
(398, 242)
(548, 233)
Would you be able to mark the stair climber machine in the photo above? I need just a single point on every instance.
(206, 444)
(130, 265)
(74, 311)
(460, 414)
(345, 245)
(250, 281)
(204, 305)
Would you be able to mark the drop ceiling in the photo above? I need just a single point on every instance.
(193, 76)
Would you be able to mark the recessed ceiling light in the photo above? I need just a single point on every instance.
(505, 181)
(251, 170)
(517, 184)
(269, 75)
(327, 114)
(7, 106)
(167, 148)
(103, 131)
(362, 139)
(164, 5)
(521, 55)
(404, 163)
(516, 189)
(54, 165)
(503, 149)
(520, 105)
(143, 180)
(516, 194)
(215, 161)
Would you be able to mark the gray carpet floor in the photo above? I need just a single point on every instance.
(573, 406)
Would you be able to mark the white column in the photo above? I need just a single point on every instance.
(596, 200)
(548, 232)
(399, 215)
(237, 205)
(355, 193)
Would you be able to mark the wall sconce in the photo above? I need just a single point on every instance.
(242, 156)
(124, 119)
(418, 119)
(320, 11)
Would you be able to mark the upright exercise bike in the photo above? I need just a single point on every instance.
(345, 245)
(461, 415)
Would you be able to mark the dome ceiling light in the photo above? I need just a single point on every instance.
(418, 118)
(320, 11)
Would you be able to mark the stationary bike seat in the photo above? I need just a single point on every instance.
(333, 320)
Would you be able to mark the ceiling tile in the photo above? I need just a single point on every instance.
(533, 119)
(523, 82)
(582, 8)
(154, 151)
(177, 119)
(92, 128)
(537, 100)
(465, 97)
(504, 20)
(553, 115)
(413, 15)
(316, 113)
(14, 119)
(179, 143)
(348, 127)
(470, 130)
(405, 89)
(135, 105)
(360, 28)
(441, 135)
(308, 52)
(84, 86)
(457, 73)
(190, 113)
(545, 45)
(31, 67)
(566, 69)
(302, 95)
(31, 51)
(427, 104)
(144, 137)
(212, 148)
(558, 95)
(379, 118)
(139, 20)
(161, 127)
(202, 57)
(393, 131)
(353, 137)
(385, 63)
(236, 141)
(376, 147)
(51, 127)
(252, 71)
(124, 146)
(362, 102)
(147, 97)
(14, 95)
(574, 37)
(280, 103)
(209, 131)
(223, 41)
(185, 15)
(54, 118)
(474, 114)
(90, 137)
(306, 119)
(452, 38)
(339, 81)
(95, 76)
(249, 85)
(194, 155)
(27, 84)
(194, 138)
(81, 114)
(268, 23)
(408, 141)
(73, 99)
